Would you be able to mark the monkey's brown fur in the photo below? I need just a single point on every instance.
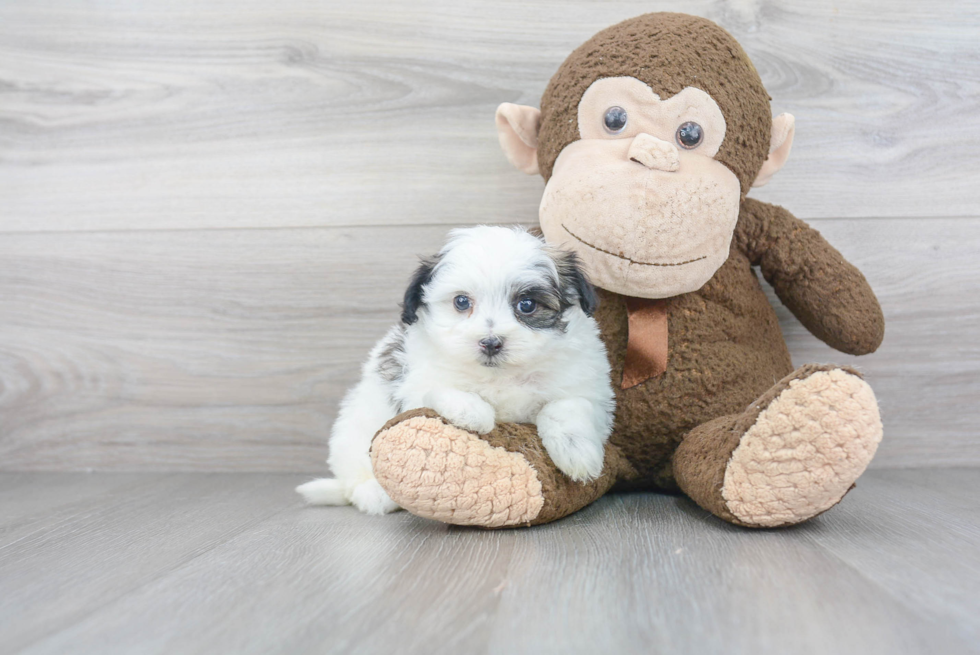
(667, 52)
(727, 360)
(725, 347)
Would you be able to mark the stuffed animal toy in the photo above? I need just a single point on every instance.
(649, 137)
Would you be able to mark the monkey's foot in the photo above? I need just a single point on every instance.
(504, 478)
(793, 454)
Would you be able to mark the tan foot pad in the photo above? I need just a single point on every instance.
(804, 451)
(438, 471)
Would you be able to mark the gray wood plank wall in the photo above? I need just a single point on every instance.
(208, 210)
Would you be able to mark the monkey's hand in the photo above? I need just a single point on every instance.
(829, 295)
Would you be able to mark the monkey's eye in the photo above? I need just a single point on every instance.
(690, 135)
(526, 306)
(615, 120)
(461, 303)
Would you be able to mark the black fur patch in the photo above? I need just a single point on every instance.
(574, 283)
(413, 294)
(391, 358)
(547, 314)
(571, 287)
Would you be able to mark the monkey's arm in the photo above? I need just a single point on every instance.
(829, 295)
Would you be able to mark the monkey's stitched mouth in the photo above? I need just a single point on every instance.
(631, 261)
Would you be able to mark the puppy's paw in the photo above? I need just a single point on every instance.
(370, 498)
(579, 459)
(569, 435)
(463, 409)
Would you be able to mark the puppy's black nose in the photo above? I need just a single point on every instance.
(491, 345)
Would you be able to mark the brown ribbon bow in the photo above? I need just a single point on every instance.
(646, 347)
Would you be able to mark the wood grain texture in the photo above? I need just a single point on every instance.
(885, 572)
(30, 501)
(925, 513)
(95, 549)
(181, 114)
(190, 350)
(208, 210)
(229, 350)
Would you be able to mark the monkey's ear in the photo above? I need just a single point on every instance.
(517, 128)
(783, 129)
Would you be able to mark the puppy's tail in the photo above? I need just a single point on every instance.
(325, 491)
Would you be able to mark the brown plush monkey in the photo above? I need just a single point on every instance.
(649, 137)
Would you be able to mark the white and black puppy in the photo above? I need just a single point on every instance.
(496, 327)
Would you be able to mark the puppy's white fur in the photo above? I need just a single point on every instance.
(552, 369)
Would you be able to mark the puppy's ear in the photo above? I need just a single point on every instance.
(413, 294)
(574, 283)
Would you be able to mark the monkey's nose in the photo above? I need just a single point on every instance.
(491, 346)
(654, 153)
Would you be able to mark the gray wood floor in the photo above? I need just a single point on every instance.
(232, 563)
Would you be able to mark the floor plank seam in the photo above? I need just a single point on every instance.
(76, 519)
(447, 225)
(140, 585)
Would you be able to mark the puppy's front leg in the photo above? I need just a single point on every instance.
(462, 408)
(574, 438)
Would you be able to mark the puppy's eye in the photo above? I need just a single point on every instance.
(461, 303)
(526, 306)
(614, 120)
(690, 135)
